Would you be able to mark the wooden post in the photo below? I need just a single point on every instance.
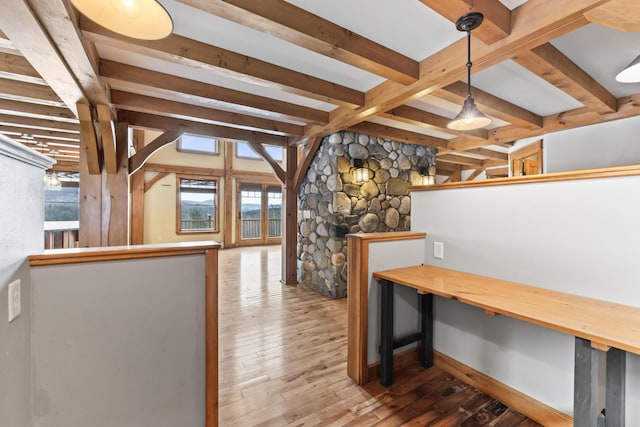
(290, 220)
(117, 192)
(229, 191)
(90, 217)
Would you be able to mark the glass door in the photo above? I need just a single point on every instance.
(251, 212)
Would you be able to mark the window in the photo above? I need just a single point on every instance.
(63, 203)
(197, 144)
(244, 151)
(197, 205)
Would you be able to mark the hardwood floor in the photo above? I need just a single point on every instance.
(283, 362)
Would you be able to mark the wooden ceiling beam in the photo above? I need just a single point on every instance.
(38, 111)
(42, 133)
(146, 104)
(629, 106)
(152, 121)
(29, 92)
(188, 52)
(137, 160)
(16, 67)
(621, 15)
(553, 66)
(25, 31)
(427, 120)
(491, 105)
(108, 137)
(497, 17)
(459, 160)
(489, 154)
(277, 169)
(126, 76)
(534, 23)
(59, 21)
(6, 46)
(295, 25)
(88, 138)
(387, 132)
(303, 166)
(35, 124)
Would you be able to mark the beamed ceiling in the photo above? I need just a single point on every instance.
(287, 72)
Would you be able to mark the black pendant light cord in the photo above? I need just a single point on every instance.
(469, 64)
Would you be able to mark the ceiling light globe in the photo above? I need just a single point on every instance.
(631, 73)
(138, 19)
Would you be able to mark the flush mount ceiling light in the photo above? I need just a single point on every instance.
(470, 117)
(631, 73)
(138, 19)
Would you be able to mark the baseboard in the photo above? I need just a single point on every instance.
(526, 405)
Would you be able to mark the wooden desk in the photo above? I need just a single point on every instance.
(597, 326)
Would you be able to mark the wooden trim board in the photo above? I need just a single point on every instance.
(514, 399)
(358, 297)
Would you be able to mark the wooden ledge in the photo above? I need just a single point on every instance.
(387, 237)
(79, 255)
(532, 179)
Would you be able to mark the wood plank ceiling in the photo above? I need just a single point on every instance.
(278, 72)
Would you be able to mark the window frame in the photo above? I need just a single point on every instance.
(259, 157)
(216, 142)
(216, 204)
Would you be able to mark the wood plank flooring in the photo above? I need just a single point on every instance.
(283, 362)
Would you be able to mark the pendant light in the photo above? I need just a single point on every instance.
(631, 73)
(470, 117)
(51, 181)
(138, 19)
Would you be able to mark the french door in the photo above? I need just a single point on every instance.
(259, 208)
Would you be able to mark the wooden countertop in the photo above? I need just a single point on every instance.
(112, 253)
(605, 324)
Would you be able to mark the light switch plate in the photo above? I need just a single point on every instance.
(15, 305)
(438, 250)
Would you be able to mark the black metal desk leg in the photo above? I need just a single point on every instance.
(615, 393)
(386, 336)
(585, 383)
(426, 330)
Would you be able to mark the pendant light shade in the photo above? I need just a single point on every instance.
(469, 117)
(138, 19)
(631, 74)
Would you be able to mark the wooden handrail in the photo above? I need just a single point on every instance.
(113, 253)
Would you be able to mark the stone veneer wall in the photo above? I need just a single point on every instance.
(331, 204)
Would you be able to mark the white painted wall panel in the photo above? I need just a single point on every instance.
(580, 237)
(383, 256)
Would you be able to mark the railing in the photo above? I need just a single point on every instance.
(252, 228)
(196, 224)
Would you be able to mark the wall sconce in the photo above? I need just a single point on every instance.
(428, 178)
(360, 173)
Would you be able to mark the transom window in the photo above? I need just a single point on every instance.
(197, 144)
(197, 205)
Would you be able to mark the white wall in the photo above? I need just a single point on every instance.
(21, 233)
(599, 146)
(383, 256)
(580, 237)
(119, 343)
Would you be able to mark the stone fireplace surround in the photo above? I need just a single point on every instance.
(332, 204)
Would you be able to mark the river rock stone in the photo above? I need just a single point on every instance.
(361, 206)
(305, 228)
(375, 206)
(341, 203)
(369, 189)
(342, 165)
(405, 205)
(397, 187)
(334, 183)
(322, 231)
(357, 151)
(335, 138)
(338, 259)
(392, 218)
(369, 223)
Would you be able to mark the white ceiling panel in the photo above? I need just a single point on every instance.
(521, 87)
(406, 26)
(602, 53)
(207, 76)
(195, 24)
(411, 128)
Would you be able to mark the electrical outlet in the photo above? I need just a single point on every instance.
(15, 305)
(438, 250)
